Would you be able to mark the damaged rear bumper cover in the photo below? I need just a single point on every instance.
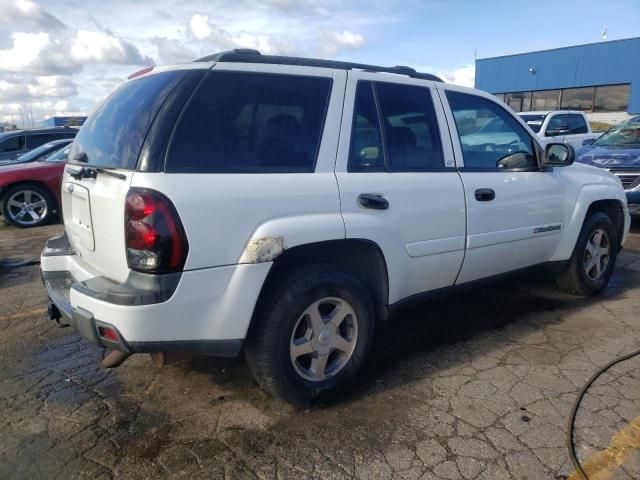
(139, 289)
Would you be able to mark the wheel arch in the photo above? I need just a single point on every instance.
(362, 257)
(591, 199)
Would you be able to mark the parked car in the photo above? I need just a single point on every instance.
(18, 142)
(618, 150)
(30, 192)
(40, 153)
(566, 126)
(284, 206)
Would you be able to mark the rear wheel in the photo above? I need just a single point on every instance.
(312, 334)
(593, 259)
(27, 206)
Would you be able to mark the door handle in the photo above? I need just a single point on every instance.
(373, 200)
(485, 194)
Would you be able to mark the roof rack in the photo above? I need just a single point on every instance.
(247, 55)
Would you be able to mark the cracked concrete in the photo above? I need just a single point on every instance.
(475, 386)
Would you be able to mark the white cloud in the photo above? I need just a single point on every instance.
(22, 113)
(104, 47)
(27, 88)
(464, 76)
(25, 49)
(332, 42)
(29, 12)
(199, 25)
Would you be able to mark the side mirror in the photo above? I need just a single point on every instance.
(558, 155)
(588, 141)
(556, 132)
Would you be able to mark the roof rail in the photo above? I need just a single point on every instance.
(247, 55)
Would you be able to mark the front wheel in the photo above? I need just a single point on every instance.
(594, 257)
(312, 334)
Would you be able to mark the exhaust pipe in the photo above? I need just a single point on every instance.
(114, 359)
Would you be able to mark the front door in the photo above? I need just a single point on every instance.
(516, 210)
(398, 183)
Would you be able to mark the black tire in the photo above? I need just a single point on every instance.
(574, 278)
(24, 187)
(268, 344)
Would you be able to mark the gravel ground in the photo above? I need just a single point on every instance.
(474, 386)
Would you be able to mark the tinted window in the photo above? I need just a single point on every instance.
(34, 141)
(113, 134)
(534, 121)
(248, 122)
(577, 98)
(410, 127)
(557, 125)
(519, 102)
(366, 145)
(577, 124)
(12, 144)
(505, 144)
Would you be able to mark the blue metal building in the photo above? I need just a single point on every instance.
(63, 121)
(597, 77)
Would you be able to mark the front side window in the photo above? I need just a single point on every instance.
(241, 122)
(34, 141)
(12, 144)
(557, 126)
(407, 121)
(576, 124)
(490, 137)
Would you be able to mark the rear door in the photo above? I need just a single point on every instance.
(398, 182)
(515, 210)
(93, 208)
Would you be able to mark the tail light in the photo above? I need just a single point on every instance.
(154, 236)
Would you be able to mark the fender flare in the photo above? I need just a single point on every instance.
(587, 195)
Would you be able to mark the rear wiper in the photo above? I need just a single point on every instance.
(92, 172)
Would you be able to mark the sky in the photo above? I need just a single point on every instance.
(61, 57)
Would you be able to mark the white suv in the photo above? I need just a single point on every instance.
(283, 206)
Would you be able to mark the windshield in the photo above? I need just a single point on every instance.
(534, 121)
(626, 134)
(41, 153)
(113, 135)
(59, 155)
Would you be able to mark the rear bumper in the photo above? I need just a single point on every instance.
(204, 311)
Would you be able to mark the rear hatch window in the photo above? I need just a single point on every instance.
(114, 133)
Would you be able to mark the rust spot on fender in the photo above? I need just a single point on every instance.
(261, 250)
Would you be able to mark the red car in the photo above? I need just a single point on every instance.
(30, 192)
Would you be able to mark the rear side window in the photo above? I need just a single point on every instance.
(577, 124)
(113, 135)
(240, 122)
(409, 128)
(12, 144)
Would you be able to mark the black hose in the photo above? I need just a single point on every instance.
(572, 418)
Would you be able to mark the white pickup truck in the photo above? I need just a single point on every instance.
(282, 207)
(568, 126)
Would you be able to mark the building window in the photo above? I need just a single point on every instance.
(518, 101)
(577, 99)
(499, 96)
(546, 100)
(612, 98)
